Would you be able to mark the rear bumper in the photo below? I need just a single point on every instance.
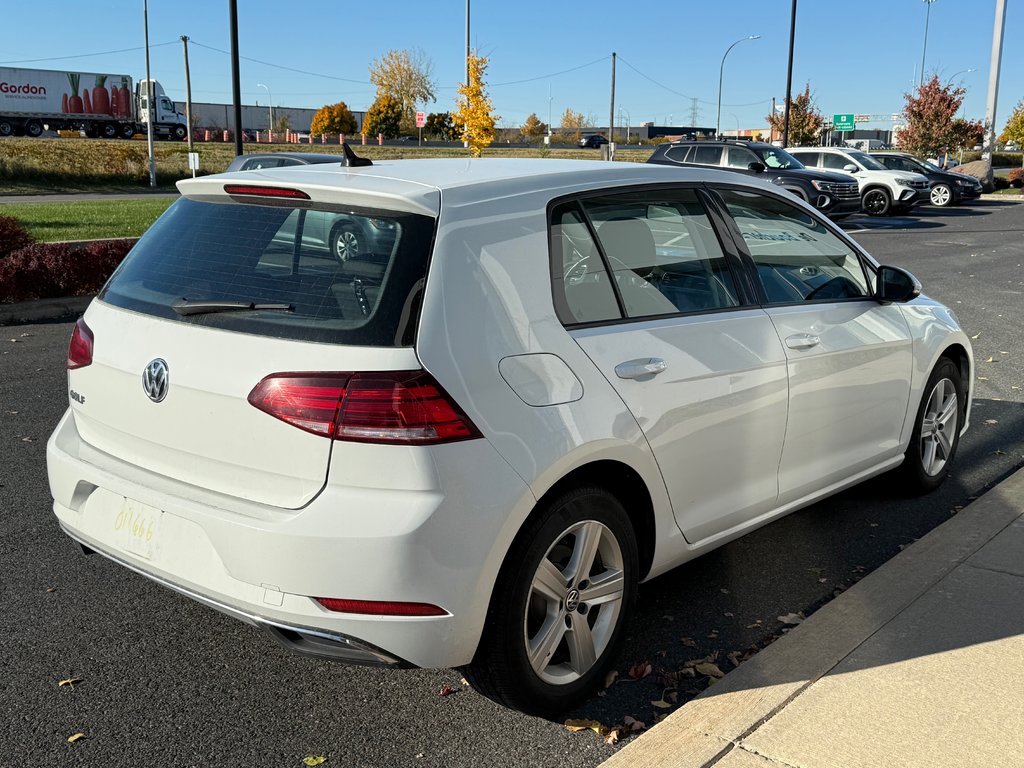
(440, 544)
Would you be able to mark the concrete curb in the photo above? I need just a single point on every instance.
(43, 309)
(703, 731)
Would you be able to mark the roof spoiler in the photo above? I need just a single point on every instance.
(352, 160)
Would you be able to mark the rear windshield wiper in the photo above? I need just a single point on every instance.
(209, 306)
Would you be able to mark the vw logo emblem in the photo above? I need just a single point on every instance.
(572, 600)
(155, 380)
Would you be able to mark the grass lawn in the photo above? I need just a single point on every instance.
(87, 219)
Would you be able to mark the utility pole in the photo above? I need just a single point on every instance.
(927, 17)
(993, 86)
(149, 99)
(771, 124)
(611, 116)
(188, 92)
(465, 131)
(236, 83)
(789, 77)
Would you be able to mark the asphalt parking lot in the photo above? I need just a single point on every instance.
(166, 682)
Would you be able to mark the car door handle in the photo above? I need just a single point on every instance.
(802, 341)
(636, 369)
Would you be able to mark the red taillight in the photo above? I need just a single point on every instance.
(393, 407)
(80, 348)
(246, 189)
(380, 607)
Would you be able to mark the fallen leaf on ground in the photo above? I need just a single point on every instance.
(991, 421)
(70, 682)
(51, 589)
(757, 623)
(735, 657)
(640, 670)
(728, 614)
(586, 725)
(75, 737)
(27, 440)
(709, 669)
(689, 642)
(791, 618)
(633, 725)
(447, 691)
(990, 359)
(610, 678)
(612, 737)
(312, 760)
(975, 336)
(661, 704)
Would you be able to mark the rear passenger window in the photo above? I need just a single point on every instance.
(343, 276)
(661, 252)
(582, 286)
(797, 258)
(706, 155)
(741, 158)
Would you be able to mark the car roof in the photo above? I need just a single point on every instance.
(416, 186)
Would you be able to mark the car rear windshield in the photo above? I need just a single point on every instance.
(310, 272)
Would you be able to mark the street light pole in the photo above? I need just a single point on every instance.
(927, 16)
(149, 99)
(721, 71)
(270, 98)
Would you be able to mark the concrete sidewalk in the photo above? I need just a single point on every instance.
(919, 664)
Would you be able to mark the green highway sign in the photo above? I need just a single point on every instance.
(842, 122)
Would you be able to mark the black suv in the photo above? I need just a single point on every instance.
(947, 188)
(834, 194)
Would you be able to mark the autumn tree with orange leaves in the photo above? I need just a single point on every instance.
(475, 115)
(932, 124)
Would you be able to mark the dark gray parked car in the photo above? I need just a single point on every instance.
(948, 188)
(350, 237)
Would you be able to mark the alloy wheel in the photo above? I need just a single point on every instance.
(939, 425)
(941, 195)
(575, 600)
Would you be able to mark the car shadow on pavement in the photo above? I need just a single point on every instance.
(724, 607)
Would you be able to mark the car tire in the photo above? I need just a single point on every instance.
(108, 131)
(6, 128)
(126, 131)
(941, 195)
(876, 202)
(34, 129)
(936, 435)
(561, 601)
(179, 132)
(346, 242)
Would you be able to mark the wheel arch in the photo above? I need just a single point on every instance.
(626, 485)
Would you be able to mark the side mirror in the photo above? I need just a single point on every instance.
(896, 285)
(756, 167)
(850, 168)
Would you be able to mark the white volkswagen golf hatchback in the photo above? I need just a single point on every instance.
(541, 383)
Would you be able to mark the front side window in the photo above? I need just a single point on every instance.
(315, 273)
(798, 259)
(836, 162)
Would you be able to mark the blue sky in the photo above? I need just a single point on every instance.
(858, 57)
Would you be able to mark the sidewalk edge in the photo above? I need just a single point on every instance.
(702, 731)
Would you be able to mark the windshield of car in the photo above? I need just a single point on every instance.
(775, 157)
(867, 161)
(315, 273)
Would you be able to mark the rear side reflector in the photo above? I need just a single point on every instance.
(246, 189)
(380, 607)
(80, 348)
(390, 407)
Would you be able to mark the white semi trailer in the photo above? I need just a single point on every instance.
(100, 105)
